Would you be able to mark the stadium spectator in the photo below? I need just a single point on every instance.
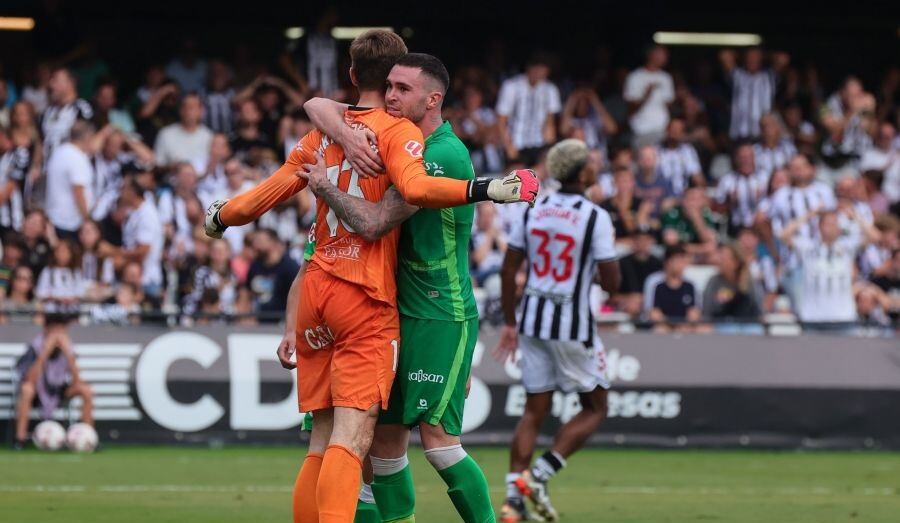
(825, 262)
(636, 268)
(19, 297)
(488, 243)
(270, 275)
(180, 210)
(649, 90)
(476, 125)
(213, 180)
(752, 89)
(218, 97)
(629, 214)
(887, 277)
(49, 373)
(160, 109)
(651, 186)
(669, 297)
(804, 196)
(106, 111)
(37, 90)
(678, 160)
(70, 192)
(762, 267)
(248, 142)
(848, 117)
(120, 153)
(37, 236)
(64, 110)
(98, 271)
(15, 162)
(773, 151)
(216, 277)
(884, 155)
(526, 111)
(5, 103)
(185, 141)
(188, 69)
(322, 55)
(61, 285)
(274, 97)
(142, 240)
(740, 191)
(293, 127)
(691, 224)
(13, 255)
(585, 118)
(729, 294)
(24, 132)
(800, 131)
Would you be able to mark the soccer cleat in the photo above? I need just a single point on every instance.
(539, 495)
(514, 511)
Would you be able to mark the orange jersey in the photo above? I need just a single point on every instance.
(339, 250)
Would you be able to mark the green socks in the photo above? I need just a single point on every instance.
(466, 484)
(394, 490)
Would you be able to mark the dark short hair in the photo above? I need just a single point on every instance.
(673, 251)
(81, 129)
(540, 58)
(430, 66)
(270, 233)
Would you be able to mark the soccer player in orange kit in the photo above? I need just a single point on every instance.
(348, 324)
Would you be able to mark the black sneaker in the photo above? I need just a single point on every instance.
(19, 444)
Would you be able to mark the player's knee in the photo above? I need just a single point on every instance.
(27, 390)
(86, 392)
(594, 403)
(445, 457)
(434, 436)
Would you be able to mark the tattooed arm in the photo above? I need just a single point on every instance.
(368, 219)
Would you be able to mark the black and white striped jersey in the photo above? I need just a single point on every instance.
(14, 165)
(790, 203)
(57, 121)
(751, 98)
(678, 164)
(564, 237)
(768, 159)
(743, 195)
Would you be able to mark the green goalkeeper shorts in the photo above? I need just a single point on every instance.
(434, 366)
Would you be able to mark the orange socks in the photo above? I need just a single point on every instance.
(306, 510)
(338, 485)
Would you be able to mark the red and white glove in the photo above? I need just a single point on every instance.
(518, 186)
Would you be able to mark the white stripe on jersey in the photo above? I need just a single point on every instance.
(790, 203)
(678, 165)
(767, 160)
(57, 121)
(564, 237)
(751, 97)
(743, 194)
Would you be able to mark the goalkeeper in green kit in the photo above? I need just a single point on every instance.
(438, 316)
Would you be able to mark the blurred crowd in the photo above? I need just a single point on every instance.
(739, 187)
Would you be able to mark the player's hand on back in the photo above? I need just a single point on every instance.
(315, 174)
(509, 342)
(361, 150)
(520, 185)
(286, 350)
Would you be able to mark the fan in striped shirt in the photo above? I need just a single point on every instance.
(678, 160)
(773, 150)
(740, 191)
(753, 89)
(802, 197)
(15, 161)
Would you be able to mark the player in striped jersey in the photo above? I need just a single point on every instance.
(567, 242)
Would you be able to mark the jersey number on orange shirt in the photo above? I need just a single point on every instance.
(333, 173)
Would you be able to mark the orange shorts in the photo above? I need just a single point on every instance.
(347, 345)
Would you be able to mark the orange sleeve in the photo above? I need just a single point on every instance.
(250, 205)
(402, 147)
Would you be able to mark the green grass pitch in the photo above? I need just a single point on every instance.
(194, 485)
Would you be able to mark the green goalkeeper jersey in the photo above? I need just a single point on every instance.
(433, 280)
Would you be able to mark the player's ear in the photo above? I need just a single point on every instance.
(353, 76)
(435, 99)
